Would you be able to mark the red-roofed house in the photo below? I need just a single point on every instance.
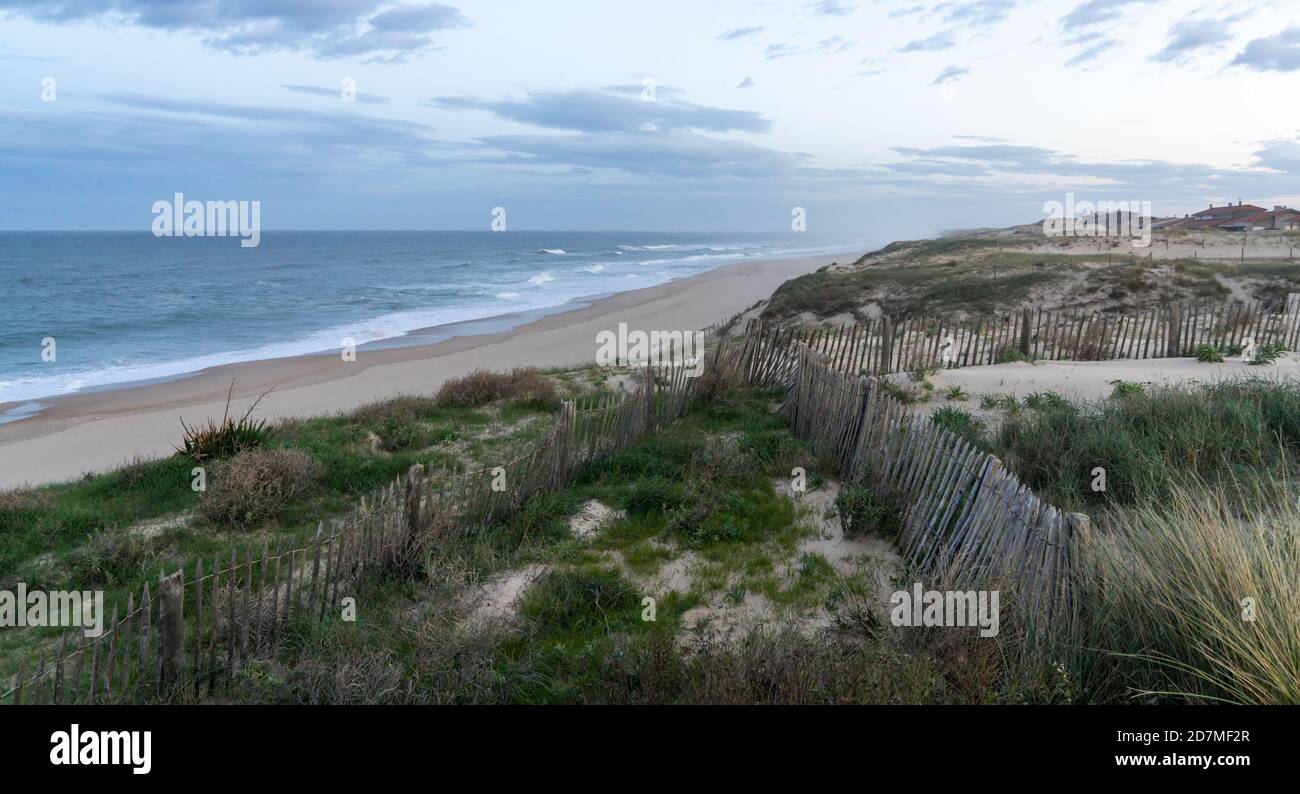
(1277, 218)
(1239, 217)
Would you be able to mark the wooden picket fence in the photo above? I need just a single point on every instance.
(887, 346)
(964, 515)
(190, 637)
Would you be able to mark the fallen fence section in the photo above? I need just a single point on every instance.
(964, 515)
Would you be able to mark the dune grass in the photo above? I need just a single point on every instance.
(1200, 515)
(1194, 597)
(1149, 442)
(117, 530)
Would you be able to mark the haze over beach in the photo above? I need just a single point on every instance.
(870, 352)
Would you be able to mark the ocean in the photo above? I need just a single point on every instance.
(124, 307)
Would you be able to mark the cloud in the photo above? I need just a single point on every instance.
(369, 29)
(1084, 25)
(596, 111)
(1093, 44)
(976, 13)
(951, 74)
(677, 154)
(1004, 169)
(1094, 13)
(834, 44)
(937, 42)
(1280, 53)
(336, 93)
(830, 8)
(1189, 35)
(748, 82)
(740, 33)
(781, 50)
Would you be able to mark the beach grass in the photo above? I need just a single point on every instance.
(1199, 513)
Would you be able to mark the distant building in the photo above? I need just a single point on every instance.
(1228, 212)
(1238, 217)
(1277, 218)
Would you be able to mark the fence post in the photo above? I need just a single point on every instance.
(1175, 325)
(564, 445)
(886, 345)
(171, 628)
(648, 388)
(1026, 317)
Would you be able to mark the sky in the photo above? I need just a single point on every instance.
(880, 118)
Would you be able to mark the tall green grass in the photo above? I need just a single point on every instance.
(1149, 443)
(1195, 597)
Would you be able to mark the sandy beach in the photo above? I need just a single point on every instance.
(95, 431)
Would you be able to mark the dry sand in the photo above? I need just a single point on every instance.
(1092, 380)
(92, 432)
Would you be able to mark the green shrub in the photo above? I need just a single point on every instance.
(395, 435)
(1207, 354)
(227, 437)
(1127, 388)
(1005, 402)
(108, 559)
(1267, 353)
(396, 409)
(1008, 355)
(1216, 431)
(863, 512)
(522, 384)
(255, 485)
(961, 424)
(581, 601)
(1040, 400)
(654, 496)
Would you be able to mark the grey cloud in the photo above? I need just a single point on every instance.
(740, 33)
(937, 42)
(1091, 43)
(831, 8)
(340, 28)
(1093, 13)
(977, 13)
(594, 111)
(336, 93)
(833, 45)
(781, 50)
(1004, 167)
(1188, 35)
(419, 18)
(1004, 153)
(748, 82)
(1280, 53)
(677, 154)
(951, 74)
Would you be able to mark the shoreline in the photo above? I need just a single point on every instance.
(95, 430)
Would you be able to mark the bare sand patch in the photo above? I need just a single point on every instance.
(496, 600)
(593, 517)
(152, 528)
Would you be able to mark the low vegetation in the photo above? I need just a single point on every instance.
(228, 437)
(1195, 527)
(255, 486)
(528, 386)
(976, 273)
